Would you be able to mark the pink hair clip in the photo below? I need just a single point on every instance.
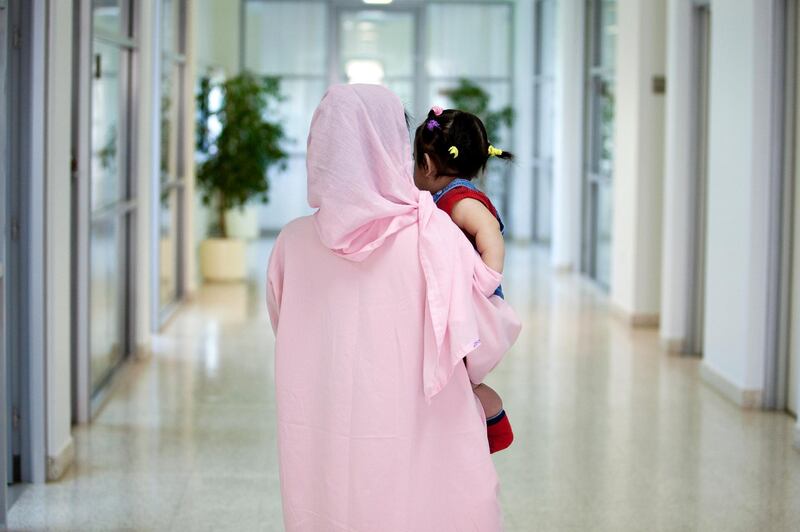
(437, 110)
(432, 124)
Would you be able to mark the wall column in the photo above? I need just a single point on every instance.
(638, 161)
(568, 141)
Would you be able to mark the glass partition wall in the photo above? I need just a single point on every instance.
(311, 44)
(112, 197)
(544, 117)
(601, 33)
(171, 183)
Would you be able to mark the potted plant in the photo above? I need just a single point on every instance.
(237, 143)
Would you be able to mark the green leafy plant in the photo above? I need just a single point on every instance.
(236, 160)
(471, 97)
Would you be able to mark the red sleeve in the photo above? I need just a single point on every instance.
(449, 200)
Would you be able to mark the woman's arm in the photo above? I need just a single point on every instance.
(475, 219)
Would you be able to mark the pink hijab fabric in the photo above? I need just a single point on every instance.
(360, 177)
(377, 301)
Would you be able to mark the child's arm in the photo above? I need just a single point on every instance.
(475, 219)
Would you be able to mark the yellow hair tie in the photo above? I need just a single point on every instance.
(494, 152)
(453, 151)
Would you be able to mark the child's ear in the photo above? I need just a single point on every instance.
(430, 168)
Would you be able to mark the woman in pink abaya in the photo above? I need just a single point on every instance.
(384, 316)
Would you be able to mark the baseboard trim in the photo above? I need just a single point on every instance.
(672, 345)
(747, 399)
(635, 319)
(58, 464)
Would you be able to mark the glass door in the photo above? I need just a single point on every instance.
(601, 32)
(378, 46)
(544, 118)
(171, 184)
(111, 197)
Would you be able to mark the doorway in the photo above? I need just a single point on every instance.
(701, 28)
(601, 32)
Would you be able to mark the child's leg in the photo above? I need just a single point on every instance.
(490, 400)
(498, 428)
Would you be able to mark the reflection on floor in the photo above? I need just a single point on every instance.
(612, 433)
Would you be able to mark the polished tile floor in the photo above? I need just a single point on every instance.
(612, 433)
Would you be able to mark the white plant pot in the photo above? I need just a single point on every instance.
(242, 223)
(223, 259)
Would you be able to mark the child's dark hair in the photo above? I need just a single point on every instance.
(456, 142)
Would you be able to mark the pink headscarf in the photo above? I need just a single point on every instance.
(360, 179)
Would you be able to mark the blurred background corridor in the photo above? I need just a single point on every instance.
(652, 219)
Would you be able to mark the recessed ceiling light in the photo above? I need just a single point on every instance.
(377, 1)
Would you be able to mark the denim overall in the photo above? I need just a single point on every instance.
(459, 182)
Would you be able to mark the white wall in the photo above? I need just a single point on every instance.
(638, 160)
(738, 167)
(58, 243)
(678, 174)
(568, 144)
(521, 190)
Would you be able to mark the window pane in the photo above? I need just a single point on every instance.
(469, 41)
(106, 110)
(286, 38)
(603, 250)
(287, 196)
(548, 37)
(107, 306)
(170, 29)
(169, 121)
(303, 96)
(543, 181)
(608, 33)
(499, 93)
(168, 247)
(108, 15)
(605, 103)
(379, 38)
(545, 119)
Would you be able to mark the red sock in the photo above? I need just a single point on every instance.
(498, 428)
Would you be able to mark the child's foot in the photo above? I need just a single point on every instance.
(498, 428)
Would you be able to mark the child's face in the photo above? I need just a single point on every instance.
(427, 178)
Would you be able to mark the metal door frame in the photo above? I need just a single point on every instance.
(781, 196)
(701, 64)
(4, 42)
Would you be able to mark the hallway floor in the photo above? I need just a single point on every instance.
(612, 433)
